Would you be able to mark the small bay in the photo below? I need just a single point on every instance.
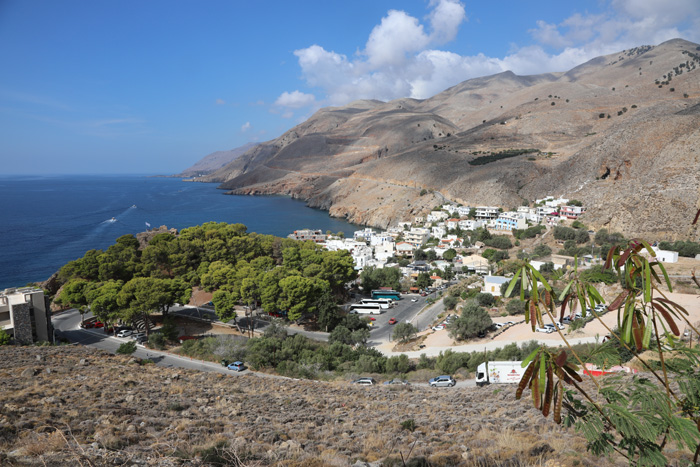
(48, 221)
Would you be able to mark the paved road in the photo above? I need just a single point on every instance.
(66, 325)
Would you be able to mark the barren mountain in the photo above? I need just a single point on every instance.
(215, 161)
(620, 133)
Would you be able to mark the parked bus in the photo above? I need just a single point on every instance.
(392, 294)
(384, 303)
(369, 308)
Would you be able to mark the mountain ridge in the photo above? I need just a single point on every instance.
(629, 113)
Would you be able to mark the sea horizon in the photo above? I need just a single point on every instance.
(53, 219)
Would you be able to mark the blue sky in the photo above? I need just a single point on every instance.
(152, 86)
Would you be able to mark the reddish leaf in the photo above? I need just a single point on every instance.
(619, 300)
(667, 317)
(561, 358)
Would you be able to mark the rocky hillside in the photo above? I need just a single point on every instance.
(620, 132)
(75, 406)
(214, 161)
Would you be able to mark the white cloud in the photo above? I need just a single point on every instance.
(220, 102)
(245, 127)
(295, 100)
(401, 57)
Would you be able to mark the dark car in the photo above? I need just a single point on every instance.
(236, 366)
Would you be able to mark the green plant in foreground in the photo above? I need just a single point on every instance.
(637, 418)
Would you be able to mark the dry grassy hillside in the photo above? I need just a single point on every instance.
(76, 406)
(621, 133)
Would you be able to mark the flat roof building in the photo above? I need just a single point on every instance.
(25, 315)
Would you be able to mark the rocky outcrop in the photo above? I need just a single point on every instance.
(619, 133)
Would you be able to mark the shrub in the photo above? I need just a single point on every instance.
(127, 348)
(485, 299)
(499, 241)
(5, 338)
(408, 425)
(473, 321)
(156, 340)
(404, 332)
(515, 307)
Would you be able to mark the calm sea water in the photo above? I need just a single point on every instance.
(48, 221)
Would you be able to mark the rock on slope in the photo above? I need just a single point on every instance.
(619, 132)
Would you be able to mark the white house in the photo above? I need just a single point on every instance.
(380, 238)
(486, 212)
(366, 234)
(384, 251)
(469, 224)
(439, 231)
(362, 255)
(666, 256)
(571, 212)
(463, 211)
(436, 216)
(492, 285)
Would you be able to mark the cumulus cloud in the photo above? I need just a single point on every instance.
(245, 127)
(295, 100)
(402, 56)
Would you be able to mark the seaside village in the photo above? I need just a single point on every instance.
(437, 242)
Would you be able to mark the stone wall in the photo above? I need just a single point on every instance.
(21, 314)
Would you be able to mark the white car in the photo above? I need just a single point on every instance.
(125, 333)
(545, 329)
(439, 327)
(550, 325)
(414, 299)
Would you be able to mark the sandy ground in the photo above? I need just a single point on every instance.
(439, 341)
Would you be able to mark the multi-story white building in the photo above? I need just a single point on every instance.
(307, 234)
(384, 251)
(362, 256)
(25, 315)
(417, 236)
(486, 212)
(405, 249)
(509, 221)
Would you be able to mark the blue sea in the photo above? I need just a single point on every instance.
(48, 221)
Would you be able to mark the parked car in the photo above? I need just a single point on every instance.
(87, 324)
(99, 324)
(442, 381)
(397, 381)
(236, 366)
(439, 327)
(392, 321)
(545, 329)
(138, 335)
(550, 325)
(142, 339)
(414, 299)
(365, 381)
(125, 333)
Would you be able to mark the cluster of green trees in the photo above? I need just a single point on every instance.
(530, 232)
(684, 248)
(473, 320)
(126, 282)
(567, 233)
(505, 154)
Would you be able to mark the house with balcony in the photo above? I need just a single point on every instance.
(307, 234)
(405, 249)
(438, 231)
(417, 236)
(509, 221)
(571, 212)
(25, 315)
(384, 251)
(486, 212)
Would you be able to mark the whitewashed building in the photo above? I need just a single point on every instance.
(486, 212)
